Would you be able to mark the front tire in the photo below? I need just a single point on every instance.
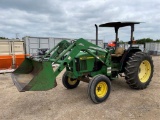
(68, 82)
(139, 70)
(99, 88)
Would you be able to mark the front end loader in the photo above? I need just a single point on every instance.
(86, 62)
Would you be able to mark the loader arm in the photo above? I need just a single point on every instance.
(38, 75)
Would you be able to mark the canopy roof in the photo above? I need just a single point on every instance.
(118, 24)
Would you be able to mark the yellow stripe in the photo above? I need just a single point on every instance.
(90, 57)
(86, 58)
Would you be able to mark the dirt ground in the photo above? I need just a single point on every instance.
(62, 104)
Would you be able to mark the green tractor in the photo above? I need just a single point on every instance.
(87, 62)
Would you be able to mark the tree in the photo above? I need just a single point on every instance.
(2, 38)
(158, 40)
(121, 42)
(144, 40)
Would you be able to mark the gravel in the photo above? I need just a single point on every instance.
(62, 104)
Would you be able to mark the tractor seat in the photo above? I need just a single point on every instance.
(118, 52)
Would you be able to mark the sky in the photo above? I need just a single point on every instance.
(77, 19)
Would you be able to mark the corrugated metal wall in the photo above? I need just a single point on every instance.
(5, 47)
(126, 46)
(17, 47)
(34, 43)
(153, 48)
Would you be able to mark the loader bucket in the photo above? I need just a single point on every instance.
(33, 75)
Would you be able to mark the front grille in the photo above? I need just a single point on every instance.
(83, 65)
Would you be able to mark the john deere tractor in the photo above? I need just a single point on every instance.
(87, 62)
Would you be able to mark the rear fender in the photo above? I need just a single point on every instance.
(128, 53)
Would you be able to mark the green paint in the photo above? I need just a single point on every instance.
(81, 58)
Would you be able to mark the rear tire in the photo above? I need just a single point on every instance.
(69, 83)
(99, 88)
(139, 70)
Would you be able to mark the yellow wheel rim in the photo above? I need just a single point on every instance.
(71, 82)
(101, 89)
(144, 71)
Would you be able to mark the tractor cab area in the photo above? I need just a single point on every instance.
(116, 25)
(120, 55)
